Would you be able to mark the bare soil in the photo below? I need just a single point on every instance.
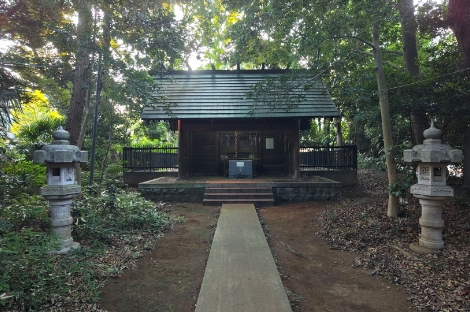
(316, 277)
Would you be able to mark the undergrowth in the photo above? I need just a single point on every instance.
(106, 219)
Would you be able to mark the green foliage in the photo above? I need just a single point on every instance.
(151, 134)
(28, 270)
(21, 177)
(401, 188)
(321, 133)
(48, 277)
(368, 162)
(104, 213)
(20, 204)
(31, 278)
(39, 130)
(23, 210)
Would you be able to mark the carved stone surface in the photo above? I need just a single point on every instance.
(429, 190)
(60, 190)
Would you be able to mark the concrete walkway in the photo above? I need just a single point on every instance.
(241, 275)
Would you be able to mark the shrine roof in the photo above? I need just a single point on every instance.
(220, 94)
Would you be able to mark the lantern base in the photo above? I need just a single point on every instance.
(416, 248)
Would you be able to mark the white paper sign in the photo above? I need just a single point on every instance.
(269, 143)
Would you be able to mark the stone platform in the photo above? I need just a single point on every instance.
(284, 189)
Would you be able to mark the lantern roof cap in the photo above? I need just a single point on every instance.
(60, 134)
(432, 150)
(432, 133)
(60, 150)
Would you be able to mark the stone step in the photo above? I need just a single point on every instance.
(238, 195)
(257, 201)
(238, 189)
(238, 184)
(225, 193)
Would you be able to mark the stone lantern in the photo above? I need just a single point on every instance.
(432, 157)
(60, 158)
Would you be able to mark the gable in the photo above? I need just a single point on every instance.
(219, 94)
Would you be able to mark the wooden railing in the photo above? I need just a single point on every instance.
(150, 158)
(328, 157)
(311, 158)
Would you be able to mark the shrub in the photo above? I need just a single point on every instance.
(27, 270)
(31, 277)
(113, 213)
(21, 177)
(24, 211)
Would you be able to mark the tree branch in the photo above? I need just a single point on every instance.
(393, 52)
(370, 44)
(11, 11)
(383, 62)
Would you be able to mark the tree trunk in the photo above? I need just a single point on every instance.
(106, 47)
(86, 119)
(339, 132)
(386, 124)
(459, 21)
(82, 71)
(410, 56)
(408, 33)
(108, 147)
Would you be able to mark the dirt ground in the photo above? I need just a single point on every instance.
(315, 277)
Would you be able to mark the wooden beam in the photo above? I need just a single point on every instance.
(466, 167)
(296, 150)
(241, 126)
(180, 152)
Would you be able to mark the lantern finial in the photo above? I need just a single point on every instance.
(432, 132)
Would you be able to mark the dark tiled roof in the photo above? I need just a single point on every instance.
(221, 94)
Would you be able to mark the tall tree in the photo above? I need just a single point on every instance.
(409, 28)
(459, 21)
(385, 113)
(332, 38)
(83, 69)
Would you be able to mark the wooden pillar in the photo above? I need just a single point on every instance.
(296, 150)
(181, 152)
(466, 166)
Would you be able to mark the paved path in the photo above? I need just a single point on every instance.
(241, 275)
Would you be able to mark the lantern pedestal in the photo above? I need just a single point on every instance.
(60, 158)
(431, 223)
(61, 221)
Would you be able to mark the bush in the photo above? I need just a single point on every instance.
(24, 211)
(28, 273)
(114, 212)
(21, 177)
(368, 162)
(32, 278)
